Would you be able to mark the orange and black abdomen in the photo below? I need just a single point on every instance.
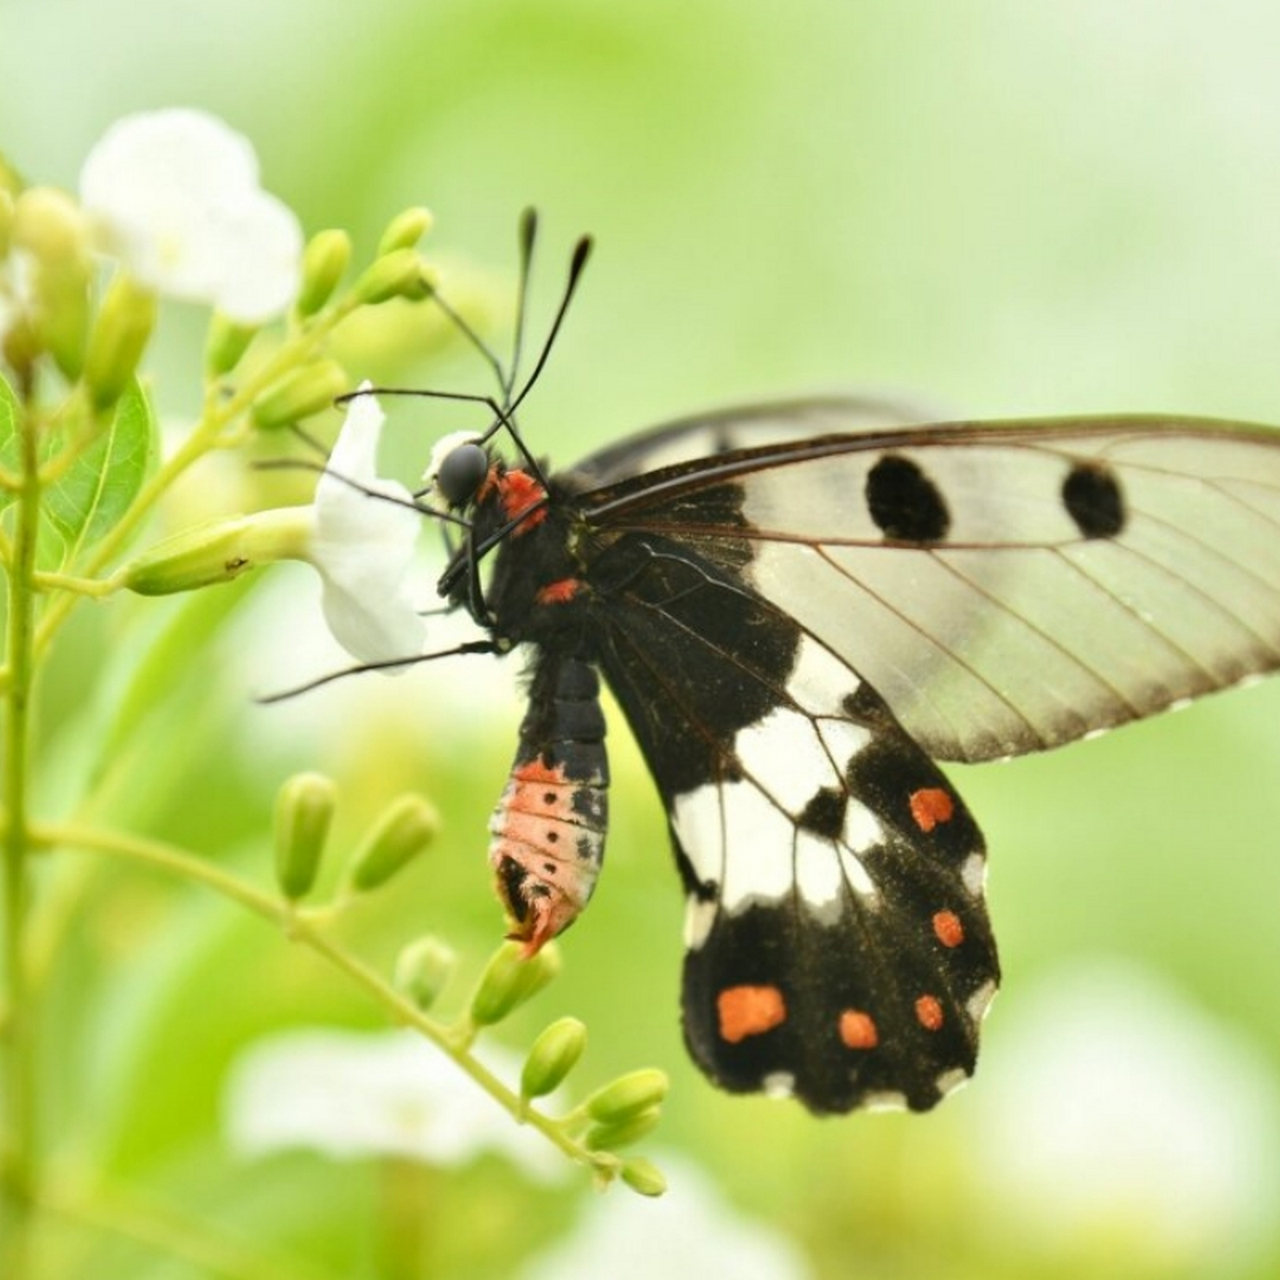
(548, 829)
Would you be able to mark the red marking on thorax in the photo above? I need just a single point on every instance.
(929, 1012)
(560, 592)
(749, 1011)
(858, 1030)
(518, 491)
(948, 929)
(930, 806)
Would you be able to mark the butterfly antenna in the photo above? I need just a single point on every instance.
(486, 351)
(527, 236)
(581, 252)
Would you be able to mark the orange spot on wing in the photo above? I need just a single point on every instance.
(749, 1011)
(929, 1012)
(858, 1030)
(948, 929)
(930, 806)
(559, 592)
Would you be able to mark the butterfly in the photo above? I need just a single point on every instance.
(800, 611)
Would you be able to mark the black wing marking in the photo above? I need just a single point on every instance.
(838, 943)
(1005, 588)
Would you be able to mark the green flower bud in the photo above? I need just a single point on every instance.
(300, 394)
(125, 321)
(628, 1095)
(225, 343)
(49, 225)
(644, 1176)
(399, 274)
(509, 980)
(422, 969)
(611, 1136)
(218, 551)
(323, 262)
(405, 230)
(554, 1054)
(304, 808)
(405, 828)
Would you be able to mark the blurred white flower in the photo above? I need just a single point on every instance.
(353, 1095)
(17, 281)
(1118, 1112)
(175, 195)
(363, 537)
(690, 1231)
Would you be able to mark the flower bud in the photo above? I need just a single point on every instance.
(323, 262)
(509, 980)
(125, 321)
(422, 969)
(49, 226)
(226, 341)
(611, 1136)
(554, 1054)
(300, 394)
(405, 230)
(219, 551)
(304, 808)
(405, 828)
(644, 1176)
(399, 274)
(628, 1096)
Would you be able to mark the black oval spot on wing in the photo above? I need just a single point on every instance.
(905, 504)
(1092, 497)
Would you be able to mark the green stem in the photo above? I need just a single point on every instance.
(303, 928)
(209, 434)
(18, 1154)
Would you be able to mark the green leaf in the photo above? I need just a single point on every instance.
(101, 484)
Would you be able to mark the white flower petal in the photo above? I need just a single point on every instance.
(691, 1231)
(175, 195)
(352, 1095)
(1118, 1111)
(366, 533)
(263, 266)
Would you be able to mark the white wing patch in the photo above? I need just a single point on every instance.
(745, 835)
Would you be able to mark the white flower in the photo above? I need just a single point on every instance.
(353, 1095)
(690, 1231)
(175, 195)
(1119, 1112)
(363, 534)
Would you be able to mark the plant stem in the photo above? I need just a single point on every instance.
(302, 929)
(18, 1155)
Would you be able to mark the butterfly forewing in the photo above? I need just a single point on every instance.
(1006, 588)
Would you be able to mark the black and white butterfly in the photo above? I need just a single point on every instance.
(800, 612)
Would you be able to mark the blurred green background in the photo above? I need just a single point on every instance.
(996, 208)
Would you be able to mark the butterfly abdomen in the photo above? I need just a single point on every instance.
(548, 829)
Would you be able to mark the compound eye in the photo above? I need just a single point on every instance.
(461, 473)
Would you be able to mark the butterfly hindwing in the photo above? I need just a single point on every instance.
(837, 942)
